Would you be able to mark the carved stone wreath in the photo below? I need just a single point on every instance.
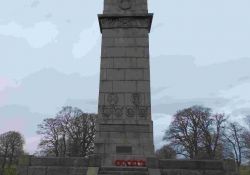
(136, 99)
(107, 112)
(112, 108)
(125, 4)
(113, 99)
(136, 110)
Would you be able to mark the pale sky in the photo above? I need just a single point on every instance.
(50, 57)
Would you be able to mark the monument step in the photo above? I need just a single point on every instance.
(123, 171)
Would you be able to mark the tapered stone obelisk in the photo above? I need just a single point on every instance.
(124, 127)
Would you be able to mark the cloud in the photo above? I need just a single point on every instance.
(239, 101)
(161, 123)
(6, 82)
(178, 82)
(20, 118)
(37, 36)
(31, 144)
(47, 90)
(213, 31)
(35, 3)
(88, 40)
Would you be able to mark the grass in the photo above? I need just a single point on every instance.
(10, 171)
(245, 170)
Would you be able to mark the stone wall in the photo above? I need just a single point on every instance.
(55, 166)
(193, 167)
(1, 160)
(80, 166)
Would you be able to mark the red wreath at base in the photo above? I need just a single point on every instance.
(130, 163)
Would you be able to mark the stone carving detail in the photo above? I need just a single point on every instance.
(143, 112)
(107, 112)
(137, 109)
(118, 112)
(130, 112)
(113, 99)
(112, 108)
(109, 22)
(136, 99)
(125, 4)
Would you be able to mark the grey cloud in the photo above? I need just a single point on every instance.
(48, 90)
(173, 105)
(35, 3)
(15, 117)
(241, 112)
(185, 79)
(57, 54)
(22, 60)
(87, 105)
(244, 79)
(177, 82)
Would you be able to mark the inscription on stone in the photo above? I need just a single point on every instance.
(125, 22)
(124, 149)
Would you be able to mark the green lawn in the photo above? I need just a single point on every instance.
(245, 170)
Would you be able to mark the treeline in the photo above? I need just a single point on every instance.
(198, 133)
(70, 133)
(194, 133)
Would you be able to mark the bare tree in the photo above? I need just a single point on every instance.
(79, 128)
(50, 132)
(70, 133)
(11, 146)
(212, 129)
(166, 152)
(246, 136)
(196, 133)
(234, 136)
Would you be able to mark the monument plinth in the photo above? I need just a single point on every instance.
(124, 128)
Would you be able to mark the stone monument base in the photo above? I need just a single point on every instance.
(92, 166)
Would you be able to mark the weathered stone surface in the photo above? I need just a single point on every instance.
(94, 161)
(191, 164)
(124, 33)
(139, 52)
(154, 171)
(22, 170)
(126, 42)
(229, 165)
(37, 170)
(166, 167)
(77, 170)
(153, 162)
(125, 63)
(58, 170)
(46, 161)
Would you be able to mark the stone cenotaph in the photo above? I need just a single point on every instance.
(124, 128)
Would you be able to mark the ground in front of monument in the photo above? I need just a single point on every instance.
(124, 139)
